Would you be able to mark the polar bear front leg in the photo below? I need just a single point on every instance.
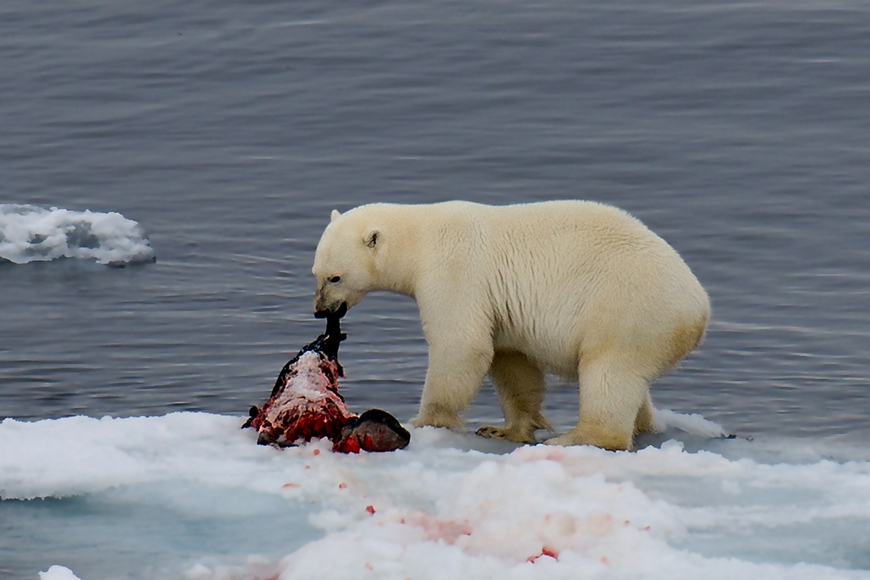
(519, 384)
(455, 373)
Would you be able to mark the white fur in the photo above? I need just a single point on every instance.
(576, 288)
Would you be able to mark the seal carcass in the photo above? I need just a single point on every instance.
(305, 404)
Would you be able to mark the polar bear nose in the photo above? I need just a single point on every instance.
(342, 310)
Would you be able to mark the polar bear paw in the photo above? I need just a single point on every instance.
(595, 434)
(515, 435)
(439, 419)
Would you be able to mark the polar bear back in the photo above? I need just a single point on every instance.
(567, 277)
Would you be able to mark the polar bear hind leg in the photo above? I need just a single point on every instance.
(645, 420)
(614, 402)
(519, 384)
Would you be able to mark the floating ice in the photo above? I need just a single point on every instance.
(58, 573)
(694, 424)
(29, 233)
(431, 511)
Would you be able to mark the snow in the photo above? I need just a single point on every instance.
(452, 505)
(29, 233)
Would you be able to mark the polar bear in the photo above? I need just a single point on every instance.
(576, 288)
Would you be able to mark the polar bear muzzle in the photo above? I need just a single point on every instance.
(342, 310)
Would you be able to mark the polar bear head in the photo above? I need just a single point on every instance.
(345, 263)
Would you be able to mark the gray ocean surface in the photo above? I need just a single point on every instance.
(738, 131)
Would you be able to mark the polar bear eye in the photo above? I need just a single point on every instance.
(335, 280)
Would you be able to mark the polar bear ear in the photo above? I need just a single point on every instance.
(372, 238)
(334, 215)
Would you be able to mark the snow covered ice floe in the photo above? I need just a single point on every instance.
(449, 506)
(29, 233)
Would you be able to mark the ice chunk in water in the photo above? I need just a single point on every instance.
(29, 233)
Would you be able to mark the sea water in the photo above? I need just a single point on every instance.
(216, 137)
